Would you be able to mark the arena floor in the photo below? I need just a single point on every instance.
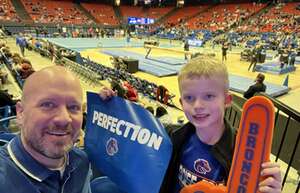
(235, 66)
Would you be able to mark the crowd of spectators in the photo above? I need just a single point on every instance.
(53, 12)
(282, 17)
(8, 12)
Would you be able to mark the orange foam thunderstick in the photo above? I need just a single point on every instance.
(252, 148)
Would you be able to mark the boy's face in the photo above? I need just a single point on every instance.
(203, 101)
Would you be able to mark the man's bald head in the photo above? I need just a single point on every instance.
(43, 78)
(50, 114)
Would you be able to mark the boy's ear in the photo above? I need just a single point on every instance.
(180, 101)
(228, 99)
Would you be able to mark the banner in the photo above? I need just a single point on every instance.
(127, 143)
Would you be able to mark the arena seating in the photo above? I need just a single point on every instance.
(53, 12)
(8, 12)
(280, 17)
(223, 16)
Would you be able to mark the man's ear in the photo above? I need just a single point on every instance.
(19, 110)
(228, 99)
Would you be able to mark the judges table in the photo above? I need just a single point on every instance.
(132, 65)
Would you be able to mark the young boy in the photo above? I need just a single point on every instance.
(203, 148)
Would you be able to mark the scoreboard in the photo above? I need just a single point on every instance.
(140, 21)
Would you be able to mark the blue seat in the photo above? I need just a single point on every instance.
(104, 185)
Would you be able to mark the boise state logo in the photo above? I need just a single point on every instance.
(202, 166)
(112, 146)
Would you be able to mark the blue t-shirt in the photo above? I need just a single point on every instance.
(198, 163)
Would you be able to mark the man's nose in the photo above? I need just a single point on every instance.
(63, 116)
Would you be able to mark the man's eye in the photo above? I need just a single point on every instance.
(74, 108)
(47, 105)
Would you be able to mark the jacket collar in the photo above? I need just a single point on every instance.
(25, 162)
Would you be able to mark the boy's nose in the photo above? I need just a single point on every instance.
(199, 104)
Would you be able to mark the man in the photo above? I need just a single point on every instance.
(21, 42)
(224, 51)
(259, 86)
(6, 99)
(186, 48)
(42, 158)
(254, 58)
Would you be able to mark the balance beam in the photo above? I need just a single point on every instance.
(150, 47)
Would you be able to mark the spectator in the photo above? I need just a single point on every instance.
(42, 158)
(131, 93)
(259, 86)
(254, 58)
(6, 99)
(162, 94)
(26, 69)
(224, 51)
(203, 85)
(21, 42)
(150, 109)
(163, 116)
(186, 48)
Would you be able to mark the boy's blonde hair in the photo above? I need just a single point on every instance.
(204, 66)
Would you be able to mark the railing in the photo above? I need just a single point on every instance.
(285, 138)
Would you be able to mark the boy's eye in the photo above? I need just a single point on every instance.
(210, 96)
(189, 98)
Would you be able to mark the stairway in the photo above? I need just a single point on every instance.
(21, 11)
(119, 15)
(85, 12)
(166, 16)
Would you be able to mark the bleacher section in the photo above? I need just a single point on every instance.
(8, 12)
(280, 18)
(223, 16)
(47, 11)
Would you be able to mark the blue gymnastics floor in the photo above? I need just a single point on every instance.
(159, 66)
(241, 84)
(79, 44)
(162, 68)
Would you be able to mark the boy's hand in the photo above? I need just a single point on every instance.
(272, 178)
(106, 93)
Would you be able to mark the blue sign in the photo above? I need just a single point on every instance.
(140, 21)
(196, 43)
(127, 143)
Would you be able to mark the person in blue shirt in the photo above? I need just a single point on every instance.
(43, 157)
(203, 148)
(22, 43)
